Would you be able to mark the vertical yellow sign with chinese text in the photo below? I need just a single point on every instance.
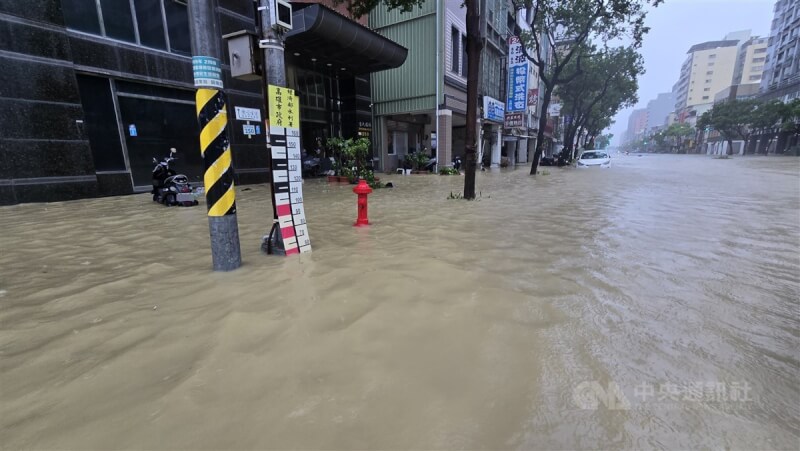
(284, 107)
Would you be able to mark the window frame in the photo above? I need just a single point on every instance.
(455, 53)
(96, 6)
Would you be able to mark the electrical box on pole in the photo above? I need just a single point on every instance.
(244, 55)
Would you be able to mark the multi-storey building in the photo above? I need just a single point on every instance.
(93, 90)
(658, 109)
(708, 69)
(750, 62)
(781, 78)
(421, 105)
(637, 125)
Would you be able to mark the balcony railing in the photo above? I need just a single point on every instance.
(785, 82)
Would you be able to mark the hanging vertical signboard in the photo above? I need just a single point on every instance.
(287, 178)
(516, 100)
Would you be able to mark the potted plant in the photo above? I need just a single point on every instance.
(346, 176)
(338, 149)
(420, 160)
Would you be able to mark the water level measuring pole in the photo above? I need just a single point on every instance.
(274, 70)
(288, 234)
(215, 147)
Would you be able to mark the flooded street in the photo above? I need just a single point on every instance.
(650, 305)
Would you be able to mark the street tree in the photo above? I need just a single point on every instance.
(732, 119)
(569, 25)
(678, 132)
(790, 119)
(359, 8)
(606, 84)
(602, 142)
(769, 117)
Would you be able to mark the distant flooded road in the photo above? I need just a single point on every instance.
(650, 305)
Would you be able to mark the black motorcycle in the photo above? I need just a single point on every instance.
(170, 188)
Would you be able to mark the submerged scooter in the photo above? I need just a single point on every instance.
(170, 188)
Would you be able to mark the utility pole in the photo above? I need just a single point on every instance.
(274, 70)
(474, 47)
(215, 145)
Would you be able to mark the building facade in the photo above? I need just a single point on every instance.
(781, 78)
(405, 100)
(637, 125)
(94, 90)
(658, 109)
(708, 69)
(750, 62)
(421, 105)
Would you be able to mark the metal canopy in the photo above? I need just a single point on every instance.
(324, 38)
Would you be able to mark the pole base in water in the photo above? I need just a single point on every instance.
(225, 252)
(272, 243)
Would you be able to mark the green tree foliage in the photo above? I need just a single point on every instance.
(732, 120)
(359, 8)
(675, 135)
(603, 141)
(790, 118)
(769, 115)
(606, 84)
(569, 25)
(679, 130)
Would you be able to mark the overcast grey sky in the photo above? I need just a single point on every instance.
(675, 26)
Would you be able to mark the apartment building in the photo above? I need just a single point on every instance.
(637, 125)
(707, 70)
(658, 109)
(750, 62)
(781, 78)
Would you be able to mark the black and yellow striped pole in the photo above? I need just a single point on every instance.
(214, 142)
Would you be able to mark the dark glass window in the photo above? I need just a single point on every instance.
(81, 15)
(161, 125)
(464, 56)
(101, 123)
(118, 20)
(455, 36)
(151, 26)
(178, 27)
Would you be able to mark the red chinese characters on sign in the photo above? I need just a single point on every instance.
(533, 97)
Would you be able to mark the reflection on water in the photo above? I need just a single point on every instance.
(662, 291)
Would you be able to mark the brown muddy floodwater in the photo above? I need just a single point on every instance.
(651, 305)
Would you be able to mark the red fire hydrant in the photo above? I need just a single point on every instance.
(362, 189)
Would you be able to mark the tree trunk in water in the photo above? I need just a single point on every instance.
(548, 93)
(473, 71)
(568, 141)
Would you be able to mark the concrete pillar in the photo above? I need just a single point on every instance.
(531, 149)
(479, 148)
(444, 149)
(522, 151)
(380, 141)
(512, 153)
(496, 148)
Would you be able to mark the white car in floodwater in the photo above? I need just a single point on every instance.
(594, 158)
